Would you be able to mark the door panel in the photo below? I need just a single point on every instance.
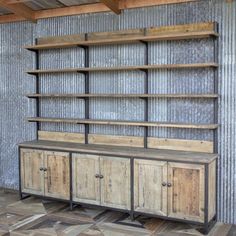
(86, 187)
(115, 184)
(32, 179)
(186, 195)
(149, 194)
(57, 176)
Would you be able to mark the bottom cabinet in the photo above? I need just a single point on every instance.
(172, 189)
(115, 182)
(186, 191)
(101, 180)
(45, 173)
(150, 191)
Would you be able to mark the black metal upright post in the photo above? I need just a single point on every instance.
(37, 89)
(86, 58)
(146, 99)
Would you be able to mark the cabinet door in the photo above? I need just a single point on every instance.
(86, 187)
(150, 196)
(115, 182)
(186, 193)
(32, 179)
(57, 175)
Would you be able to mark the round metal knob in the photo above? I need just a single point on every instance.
(97, 176)
(41, 168)
(101, 176)
(164, 184)
(169, 185)
(45, 169)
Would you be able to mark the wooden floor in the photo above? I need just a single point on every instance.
(35, 217)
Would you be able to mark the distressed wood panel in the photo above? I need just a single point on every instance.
(86, 188)
(149, 194)
(32, 179)
(61, 137)
(181, 145)
(186, 194)
(57, 177)
(115, 184)
(130, 141)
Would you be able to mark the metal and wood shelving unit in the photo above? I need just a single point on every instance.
(203, 166)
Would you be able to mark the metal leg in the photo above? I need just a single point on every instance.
(132, 218)
(207, 227)
(71, 206)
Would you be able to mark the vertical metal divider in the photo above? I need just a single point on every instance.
(19, 166)
(216, 105)
(71, 179)
(206, 194)
(132, 217)
(146, 92)
(37, 89)
(86, 77)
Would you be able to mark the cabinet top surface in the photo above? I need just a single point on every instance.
(167, 155)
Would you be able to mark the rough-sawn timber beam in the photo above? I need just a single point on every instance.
(89, 8)
(113, 5)
(20, 10)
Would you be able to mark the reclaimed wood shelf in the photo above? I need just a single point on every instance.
(126, 40)
(122, 95)
(124, 122)
(123, 68)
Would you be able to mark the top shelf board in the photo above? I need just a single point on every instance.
(165, 33)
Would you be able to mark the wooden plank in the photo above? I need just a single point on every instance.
(127, 4)
(123, 122)
(174, 32)
(186, 193)
(212, 190)
(178, 29)
(20, 9)
(115, 184)
(86, 187)
(123, 68)
(57, 177)
(61, 136)
(96, 36)
(113, 5)
(122, 40)
(126, 152)
(68, 39)
(181, 145)
(149, 194)
(130, 141)
(122, 95)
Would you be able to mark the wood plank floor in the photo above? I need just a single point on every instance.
(35, 217)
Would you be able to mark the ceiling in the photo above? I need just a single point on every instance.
(18, 10)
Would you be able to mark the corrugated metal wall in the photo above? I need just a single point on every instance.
(14, 83)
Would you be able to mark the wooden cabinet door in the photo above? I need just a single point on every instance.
(86, 187)
(115, 182)
(150, 196)
(186, 193)
(57, 175)
(32, 179)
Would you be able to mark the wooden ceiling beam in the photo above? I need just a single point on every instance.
(113, 5)
(81, 9)
(19, 9)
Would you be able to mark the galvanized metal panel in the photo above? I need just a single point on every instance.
(14, 83)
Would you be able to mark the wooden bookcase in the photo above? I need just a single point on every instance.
(101, 164)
